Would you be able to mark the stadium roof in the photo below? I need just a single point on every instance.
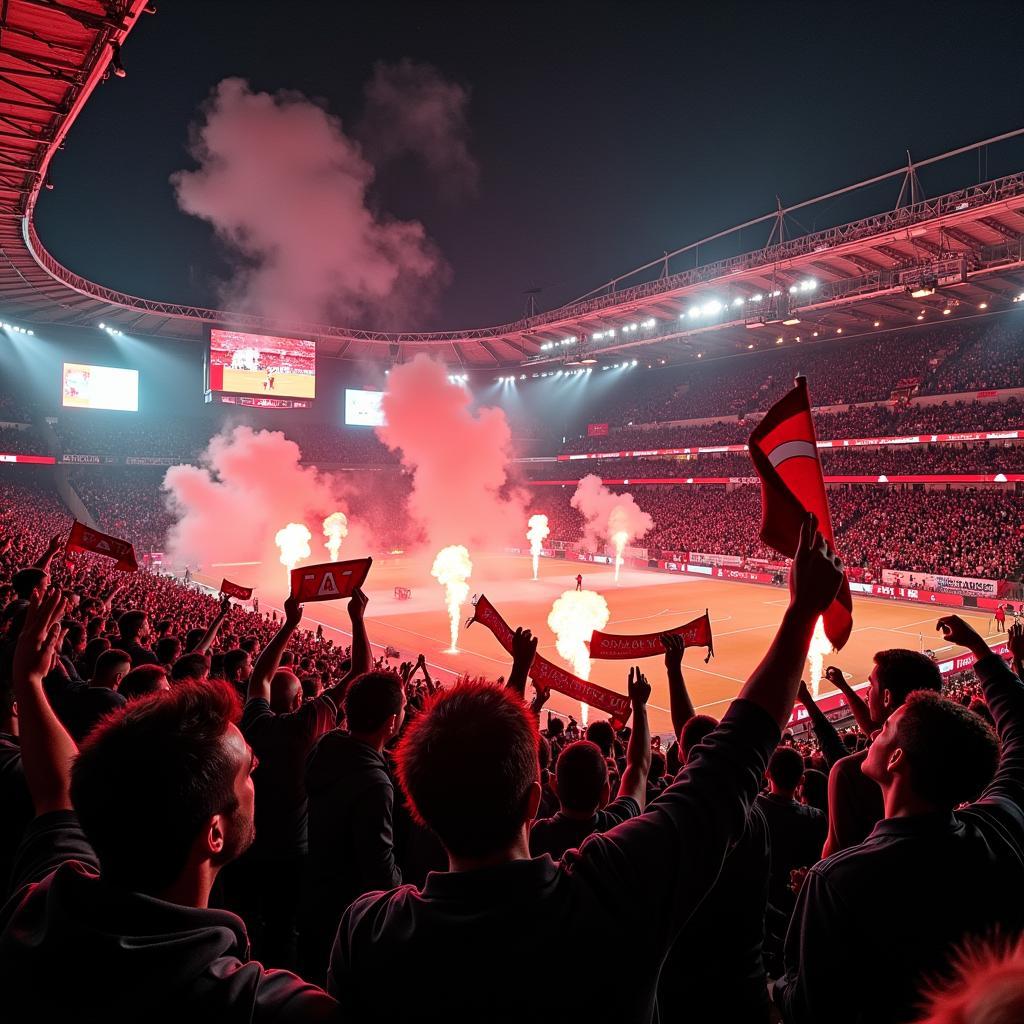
(962, 252)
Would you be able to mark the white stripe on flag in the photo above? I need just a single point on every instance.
(792, 450)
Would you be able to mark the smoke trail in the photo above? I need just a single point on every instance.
(535, 534)
(452, 569)
(229, 506)
(459, 459)
(335, 530)
(411, 109)
(820, 647)
(609, 517)
(293, 542)
(286, 190)
(573, 618)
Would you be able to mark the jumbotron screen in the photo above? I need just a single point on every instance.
(99, 387)
(363, 408)
(255, 364)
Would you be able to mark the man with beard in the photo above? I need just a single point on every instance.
(109, 915)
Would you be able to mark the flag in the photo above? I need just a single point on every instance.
(646, 645)
(229, 589)
(546, 675)
(82, 538)
(329, 581)
(784, 450)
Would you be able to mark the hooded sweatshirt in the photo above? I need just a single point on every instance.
(73, 947)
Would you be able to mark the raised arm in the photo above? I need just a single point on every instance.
(44, 560)
(270, 658)
(211, 633)
(832, 747)
(1004, 694)
(814, 582)
(46, 748)
(359, 657)
(858, 708)
(679, 702)
(638, 752)
(524, 649)
(1016, 645)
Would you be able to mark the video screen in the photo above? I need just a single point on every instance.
(363, 408)
(99, 387)
(255, 364)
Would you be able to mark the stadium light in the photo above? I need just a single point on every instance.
(103, 326)
(712, 308)
(982, 305)
(694, 311)
(922, 292)
(738, 301)
(878, 323)
(791, 322)
(778, 341)
(920, 316)
(946, 311)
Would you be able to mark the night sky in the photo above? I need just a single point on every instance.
(606, 133)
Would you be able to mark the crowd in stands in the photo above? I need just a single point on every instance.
(212, 814)
(22, 441)
(949, 359)
(862, 421)
(983, 457)
(126, 502)
(962, 532)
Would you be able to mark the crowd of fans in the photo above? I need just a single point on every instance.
(962, 532)
(991, 457)
(182, 777)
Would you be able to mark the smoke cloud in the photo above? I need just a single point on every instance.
(459, 459)
(286, 191)
(412, 110)
(229, 508)
(607, 514)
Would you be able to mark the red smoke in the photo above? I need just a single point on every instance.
(286, 189)
(605, 512)
(248, 485)
(411, 109)
(459, 459)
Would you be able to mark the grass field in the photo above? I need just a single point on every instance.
(744, 617)
(286, 385)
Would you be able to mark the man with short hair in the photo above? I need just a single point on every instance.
(468, 767)
(795, 830)
(109, 915)
(854, 800)
(934, 875)
(351, 807)
(237, 668)
(581, 782)
(192, 667)
(82, 704)
(134, 631)
(268, 882)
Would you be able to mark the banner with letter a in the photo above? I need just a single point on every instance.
(329, 581)
(82, 538)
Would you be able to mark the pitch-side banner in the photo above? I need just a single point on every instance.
(329, 581)
(548, 676)
(607, 646)
(966, 585)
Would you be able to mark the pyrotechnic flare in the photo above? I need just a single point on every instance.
(535, 534)
(820, 646)
(607, 516)
(573, 618)
(293, 540)
(335, 530)
(452, 569)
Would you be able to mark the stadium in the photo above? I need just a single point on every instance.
(601, 451)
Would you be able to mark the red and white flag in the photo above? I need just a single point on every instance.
(229, 589)
(784, 450)
(648, 645)
(329, 581)
(82, 538)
